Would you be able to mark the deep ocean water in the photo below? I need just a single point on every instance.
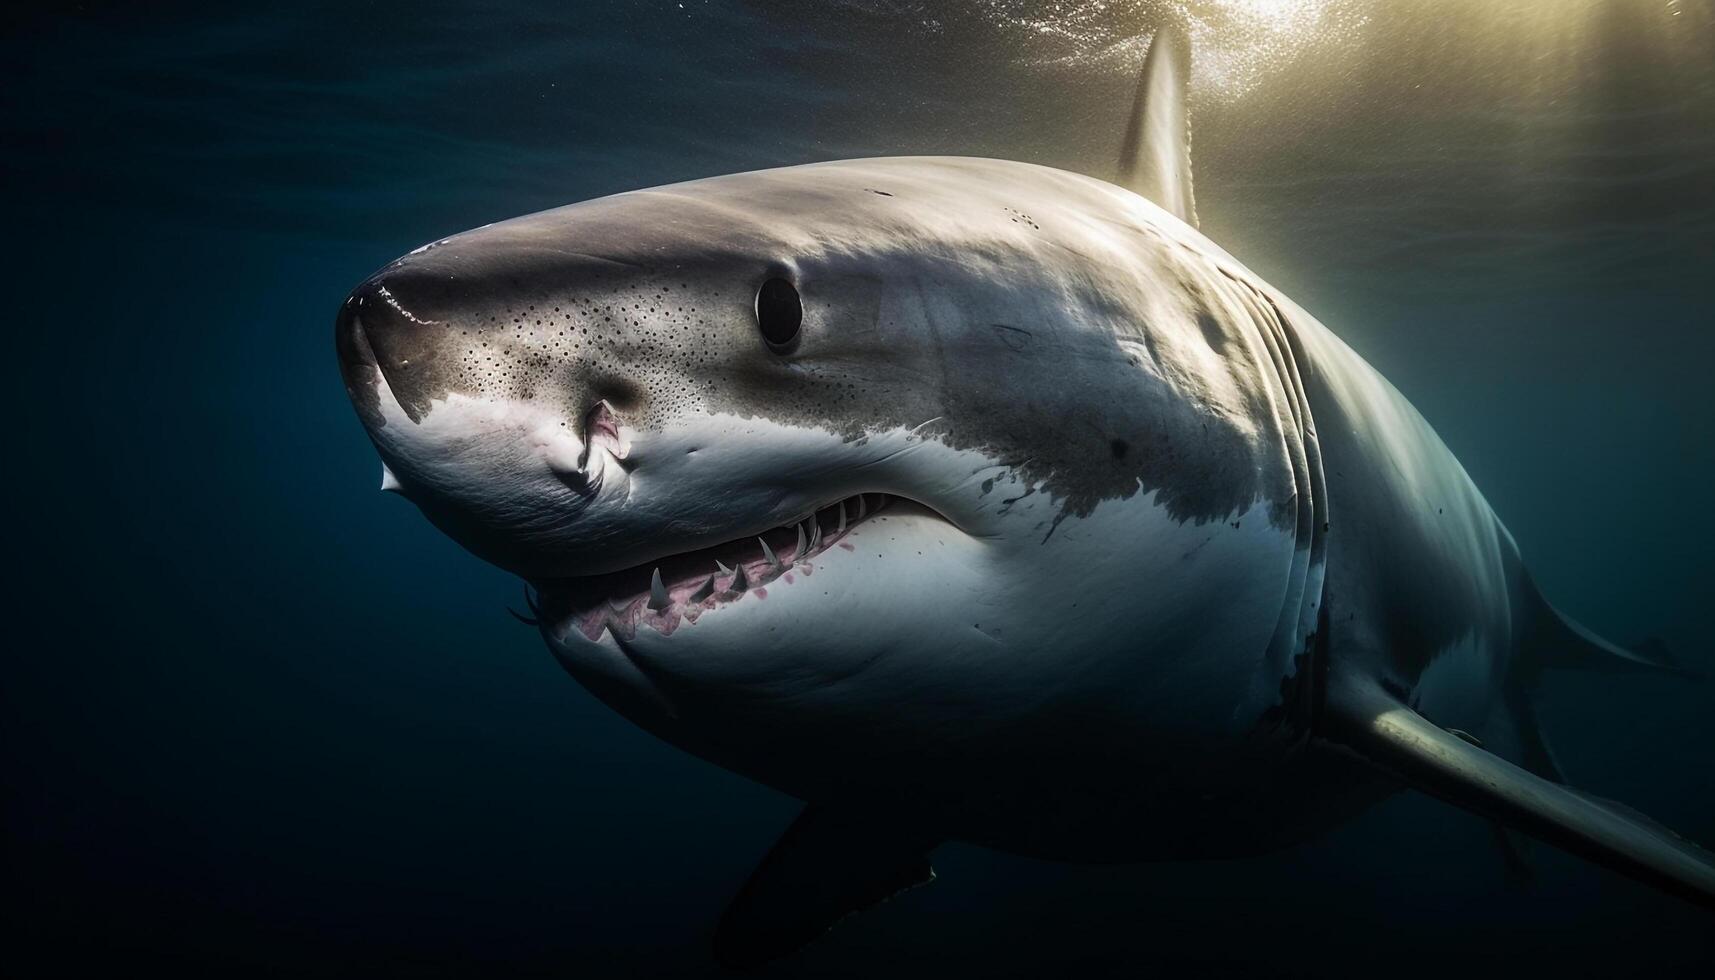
(261, 719)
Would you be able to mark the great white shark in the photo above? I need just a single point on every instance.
(971, 499)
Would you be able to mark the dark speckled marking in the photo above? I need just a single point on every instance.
(1015, 338)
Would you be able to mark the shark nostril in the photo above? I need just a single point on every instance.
(600, 420)
(603, 427)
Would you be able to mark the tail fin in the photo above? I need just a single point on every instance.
(1556, 640)
(1155, 158)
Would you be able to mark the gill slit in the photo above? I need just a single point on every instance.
(1297, 643)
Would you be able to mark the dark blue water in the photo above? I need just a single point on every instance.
(259, 718)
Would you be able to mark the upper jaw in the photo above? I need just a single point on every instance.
(663, 593)
(498, 478)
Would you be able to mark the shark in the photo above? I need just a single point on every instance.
(970, 499)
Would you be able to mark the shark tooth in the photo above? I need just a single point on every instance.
(738, 583)
(803, 545)
(704, 591)
(815, 534)
(861, 510)
(658, 597)
(723, 569)
(768, 553)
(841, 528)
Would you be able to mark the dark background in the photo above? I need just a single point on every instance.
(259, 718)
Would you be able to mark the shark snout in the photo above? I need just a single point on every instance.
(480, 420)
(376, 330)
(405, 345)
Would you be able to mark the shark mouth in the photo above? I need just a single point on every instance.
(671, 591)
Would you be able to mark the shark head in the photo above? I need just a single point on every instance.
(845, 433)
(904, 447)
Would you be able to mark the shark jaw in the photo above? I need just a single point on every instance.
(770, 621)
(675, 591)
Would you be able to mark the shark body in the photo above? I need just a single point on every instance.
(971, 499)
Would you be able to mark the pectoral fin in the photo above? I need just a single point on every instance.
(1391, 736)
(829, 864)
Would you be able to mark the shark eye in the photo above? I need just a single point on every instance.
(779, 314)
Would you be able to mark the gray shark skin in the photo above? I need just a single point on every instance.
(971, 499)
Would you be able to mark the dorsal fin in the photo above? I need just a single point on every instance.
(1155, 159)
